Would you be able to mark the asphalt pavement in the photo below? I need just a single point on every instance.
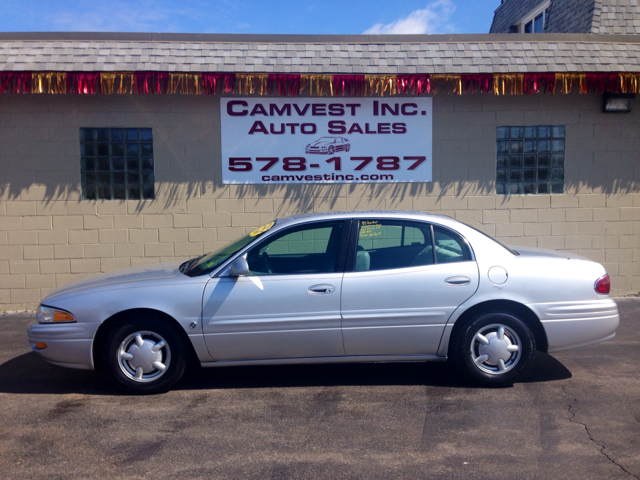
(576, 415)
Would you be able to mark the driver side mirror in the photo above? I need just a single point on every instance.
(239, 268)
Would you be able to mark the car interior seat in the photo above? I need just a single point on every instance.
(363, 260)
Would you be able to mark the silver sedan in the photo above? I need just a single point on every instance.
(334, 287)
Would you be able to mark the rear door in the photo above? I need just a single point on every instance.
(403, 281)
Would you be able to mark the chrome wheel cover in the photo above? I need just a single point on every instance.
(144, 356)
(496, 349)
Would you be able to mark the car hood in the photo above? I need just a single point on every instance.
(544, 252)
(319, 143)
(122, 278)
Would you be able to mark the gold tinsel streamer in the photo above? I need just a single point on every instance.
(185, 83)
(630, 82)
(251, 83)
(567, 81)
(117, 82)
(49, 82)
(508, 84)
(379, 84)
(322, 85)
(447, 84)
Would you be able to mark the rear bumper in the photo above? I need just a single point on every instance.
(67, 345)
(577, 324)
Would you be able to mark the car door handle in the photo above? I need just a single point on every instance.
(322, 289)
(457, 281)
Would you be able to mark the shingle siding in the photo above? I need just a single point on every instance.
(570, 16)
(435, 54)
(616, 17)
(574, 16)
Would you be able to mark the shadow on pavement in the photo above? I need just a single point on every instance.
(28, 374)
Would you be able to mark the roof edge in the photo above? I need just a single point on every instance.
(278, 38)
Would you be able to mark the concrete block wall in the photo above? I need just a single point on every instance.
(49, 236)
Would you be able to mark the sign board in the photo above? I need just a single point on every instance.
(326, 140)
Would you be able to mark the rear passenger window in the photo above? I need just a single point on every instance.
(450, 247)
(386, 244)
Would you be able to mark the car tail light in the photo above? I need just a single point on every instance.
(603, 285)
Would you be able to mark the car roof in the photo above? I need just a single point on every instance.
(406, 215)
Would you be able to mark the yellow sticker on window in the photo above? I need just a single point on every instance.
(370, 228)
(261, 229)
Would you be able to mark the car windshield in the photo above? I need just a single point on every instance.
(208, 262)
(325, 139)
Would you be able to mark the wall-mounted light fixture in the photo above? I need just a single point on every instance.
(617, 102)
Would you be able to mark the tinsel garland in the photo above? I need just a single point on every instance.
(413, 84)
(273, 84)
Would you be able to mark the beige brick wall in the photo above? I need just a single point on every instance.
(49, 236)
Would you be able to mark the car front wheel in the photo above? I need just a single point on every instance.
(145, 357)
(494, 349)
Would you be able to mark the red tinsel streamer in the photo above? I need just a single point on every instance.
(603, 82)
(416, 84)
(539, 83)
(83, 83)
(210, 82)
(349, 85)
(229, 82)
(151, 82)
(5, 83)
(472, 83)
(283, 84)
(15, 82)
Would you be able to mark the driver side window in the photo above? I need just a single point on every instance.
(311, 248)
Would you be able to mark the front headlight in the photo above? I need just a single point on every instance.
(50, 315)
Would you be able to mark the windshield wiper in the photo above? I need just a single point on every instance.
(189, 264)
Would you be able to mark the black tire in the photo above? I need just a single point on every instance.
(496, 364)
(123, 371)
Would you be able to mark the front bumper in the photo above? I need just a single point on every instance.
(68, 344)
(577, 324)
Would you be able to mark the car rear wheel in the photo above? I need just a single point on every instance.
(494, 349)
(145, 357)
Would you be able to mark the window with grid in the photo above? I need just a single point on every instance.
(530, 160)
(117, 163)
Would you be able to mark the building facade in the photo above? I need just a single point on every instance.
(567, 16)
(111, 144)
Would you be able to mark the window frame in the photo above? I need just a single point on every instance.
(353, 244)
(531, 18)
(340, 257)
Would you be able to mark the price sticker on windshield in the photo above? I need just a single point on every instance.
(261, 229)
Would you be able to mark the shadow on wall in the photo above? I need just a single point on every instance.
(301, 197)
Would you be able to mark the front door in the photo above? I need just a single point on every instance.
(289, 304)
(407, 280)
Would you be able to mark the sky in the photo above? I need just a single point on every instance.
(249, 16)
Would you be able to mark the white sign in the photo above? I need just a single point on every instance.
(326, 140)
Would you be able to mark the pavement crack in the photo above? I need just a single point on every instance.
(601, 448)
